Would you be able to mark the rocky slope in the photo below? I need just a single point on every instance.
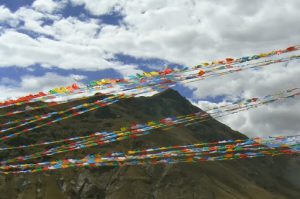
(257, 178)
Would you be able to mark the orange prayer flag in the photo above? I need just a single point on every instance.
(228, 60)
(292, 48)
(201, 72)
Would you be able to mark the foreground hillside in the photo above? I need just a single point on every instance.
(276, 177)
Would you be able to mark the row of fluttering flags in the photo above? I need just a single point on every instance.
(215, 68)
(137, 130)
(200, 152)
(60, 115)
(38, 121)
(114, 90)
(93, 106)
(152, 84)
(87, 107)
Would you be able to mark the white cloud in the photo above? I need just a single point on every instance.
(5, 13)
(74, 45)
(34, 84)
(7, 81)
(7, 17)
(278, 118)
(75, 31)
(183, 31)
(22, 50)
(281, 118)
(49, 6)
(78, 77)
(99, 7)
(188, 32)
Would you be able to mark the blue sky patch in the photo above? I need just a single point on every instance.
(146, 64)
(78, 11)
(16, 73)
(113, 18)
(14, 5)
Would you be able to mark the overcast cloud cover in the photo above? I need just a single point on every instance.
(77, 36)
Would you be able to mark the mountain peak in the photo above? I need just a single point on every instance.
(170, 93)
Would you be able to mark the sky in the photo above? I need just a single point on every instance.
(49, 43)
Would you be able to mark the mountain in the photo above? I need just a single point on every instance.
(266, 178)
